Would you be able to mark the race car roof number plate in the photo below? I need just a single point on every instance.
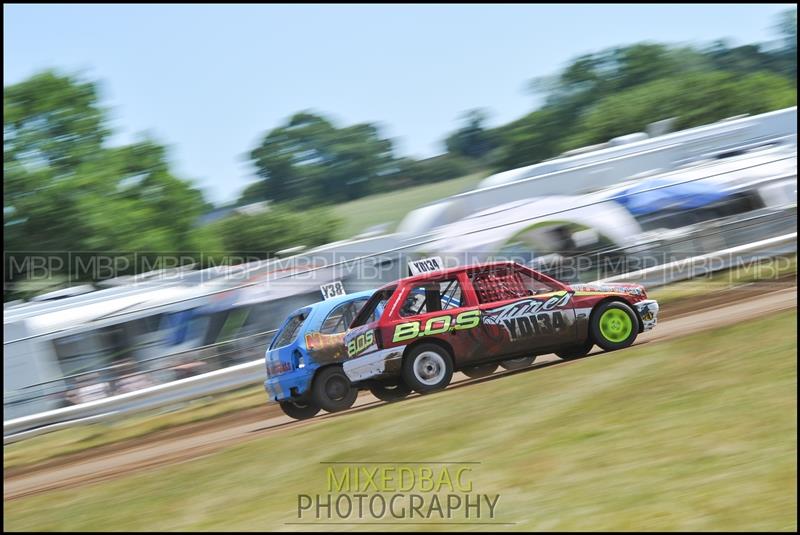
(425, 265)
(332, 289)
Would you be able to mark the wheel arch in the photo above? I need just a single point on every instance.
(321, 367)
(435, 341)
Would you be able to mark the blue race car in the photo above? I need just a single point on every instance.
(304, 360)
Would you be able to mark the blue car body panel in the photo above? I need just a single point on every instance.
(291, 367)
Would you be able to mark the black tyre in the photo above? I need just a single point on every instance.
(476, 372)
(613, 325)
(394, 391)
(578, 351)
(332, 390)
(298, 410)
(427, 368)
(517, 364)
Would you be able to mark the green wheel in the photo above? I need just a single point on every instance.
(614, 325)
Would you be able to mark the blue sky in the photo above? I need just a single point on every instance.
(210, 80)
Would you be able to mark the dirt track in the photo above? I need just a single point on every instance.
(196, 440)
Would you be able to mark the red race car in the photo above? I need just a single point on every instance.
(473, 318)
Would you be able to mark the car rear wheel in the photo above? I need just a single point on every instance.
(517, 364)
(427, 368)
(332, 390)
(613, 325)
(476, 372)
(576, 352)
(385, 391)
(298, 410)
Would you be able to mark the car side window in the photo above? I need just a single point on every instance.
(450, 294)
(376, 312)
(504, 283)
(289, 331)
(534, 285)
(339, 318)
(432, 297)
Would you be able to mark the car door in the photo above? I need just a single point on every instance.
(523, 311)
(326, 344)
(438, 308)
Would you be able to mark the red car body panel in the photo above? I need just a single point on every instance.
(497, 317)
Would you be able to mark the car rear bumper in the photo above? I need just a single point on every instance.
(280, 387)
(648, 311)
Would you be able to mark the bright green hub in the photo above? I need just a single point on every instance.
(615, 325)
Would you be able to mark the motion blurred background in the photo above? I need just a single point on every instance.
(177, 179)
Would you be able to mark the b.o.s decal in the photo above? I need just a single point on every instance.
(360, 343)
(437, 325)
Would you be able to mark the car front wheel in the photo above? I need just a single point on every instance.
(613, 325)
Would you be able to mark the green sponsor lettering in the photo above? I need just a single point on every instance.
(405, 331)
(430, 329)
(468, 320)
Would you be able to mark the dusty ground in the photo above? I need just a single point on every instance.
(196, 440)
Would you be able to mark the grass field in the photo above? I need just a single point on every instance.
(698, 433)
(81, 438)
(361, 214)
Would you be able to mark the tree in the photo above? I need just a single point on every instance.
(620, 90)
(642, 63)
(787, 27)
(786, 55)
(310, 159)
(52, 122)
(65, 190)
(435, 169)
(472, 140)
(743, 60)
(264, 233)
(573, 93)
(694, 100)
(592, 77)
(532, 138)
